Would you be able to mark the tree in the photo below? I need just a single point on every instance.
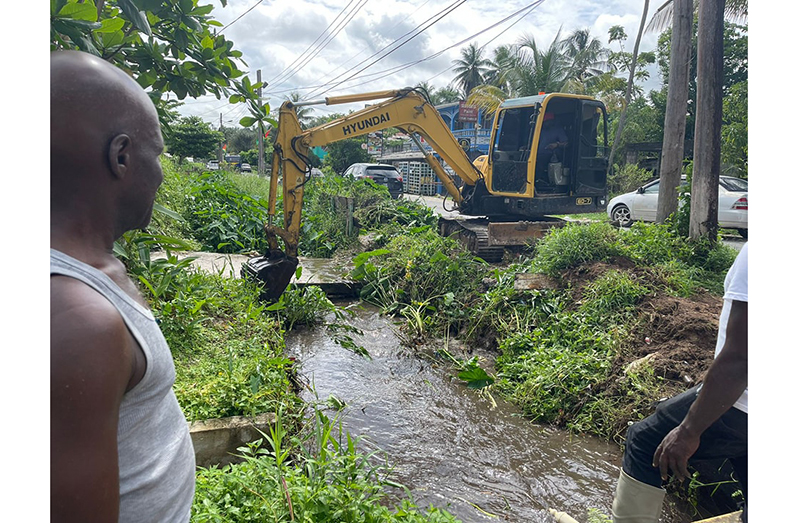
(530, 70)
(676, 111)
(303, 113)
(192, 137)
(588, 60)
(470, 68)
(734, 133)
(343, 153)
(709, 109)
(240, 139)
(536, 69)
(446, 95)
(503, 61)
(168, 46)
(630, 82)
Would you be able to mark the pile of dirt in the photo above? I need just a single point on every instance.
(676, 336)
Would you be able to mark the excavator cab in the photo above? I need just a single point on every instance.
(549, 146)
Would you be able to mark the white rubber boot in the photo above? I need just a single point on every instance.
(635, 501)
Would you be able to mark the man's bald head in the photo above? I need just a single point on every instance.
(103, 128)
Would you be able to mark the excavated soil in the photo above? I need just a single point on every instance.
(676, 336)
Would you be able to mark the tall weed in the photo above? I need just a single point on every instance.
(223, 218)
(573, 245)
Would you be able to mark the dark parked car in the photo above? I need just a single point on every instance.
(381, 174)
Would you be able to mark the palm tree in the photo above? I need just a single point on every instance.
(487, 97)
(526, 71)
(503, 61)
(735, 10)
(428, 89)
(588, 56)
(629, 83)
(539, 69)
(470, 68)
(303, 112)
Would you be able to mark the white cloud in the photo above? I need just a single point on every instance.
(322, 49)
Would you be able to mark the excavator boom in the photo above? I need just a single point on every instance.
(512, 182)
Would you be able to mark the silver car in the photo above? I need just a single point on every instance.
(641, 205)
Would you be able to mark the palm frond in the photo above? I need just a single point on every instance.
(736, 11)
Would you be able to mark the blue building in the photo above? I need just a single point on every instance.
(471, 130)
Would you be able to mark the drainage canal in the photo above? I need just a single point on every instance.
(446, 443)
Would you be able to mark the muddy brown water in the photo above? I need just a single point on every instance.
(447, 444)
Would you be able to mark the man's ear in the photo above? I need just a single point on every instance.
(119, 155)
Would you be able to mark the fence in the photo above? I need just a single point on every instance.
(419, 178)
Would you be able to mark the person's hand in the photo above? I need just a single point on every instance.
(553, 145)
(674, 451)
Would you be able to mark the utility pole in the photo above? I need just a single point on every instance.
(261, 167)
(220, 152)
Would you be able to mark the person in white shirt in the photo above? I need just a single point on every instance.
(706, 422)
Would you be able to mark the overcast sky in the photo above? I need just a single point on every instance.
(333, 47)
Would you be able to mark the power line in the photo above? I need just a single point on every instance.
(531, 8)
(391, 71)
(396, 69)
(321, 46)
(342, 64)
(329, 38)
(418, 30)
(240, 16)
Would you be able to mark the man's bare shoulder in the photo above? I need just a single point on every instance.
(87, 332)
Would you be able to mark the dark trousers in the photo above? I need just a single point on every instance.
(726, 438)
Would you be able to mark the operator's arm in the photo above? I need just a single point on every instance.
(725, 381)
(91, 362)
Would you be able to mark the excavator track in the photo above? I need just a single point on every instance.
(474, 235)
(488, 240)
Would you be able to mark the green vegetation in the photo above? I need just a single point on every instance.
(558, 349)
(192, 137)
(317, 476)
(229, 348)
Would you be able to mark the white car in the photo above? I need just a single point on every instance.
(641, 205)
(212, 165)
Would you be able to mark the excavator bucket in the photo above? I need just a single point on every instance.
(273, 272)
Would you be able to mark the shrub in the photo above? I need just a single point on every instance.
(550, 371)
(573, 245)
(417, 268)
(626, 179)
(323, 477)
(613, 292)
(223, 218)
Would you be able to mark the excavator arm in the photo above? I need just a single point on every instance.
(404, 109)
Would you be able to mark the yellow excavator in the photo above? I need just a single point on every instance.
(547, 156)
